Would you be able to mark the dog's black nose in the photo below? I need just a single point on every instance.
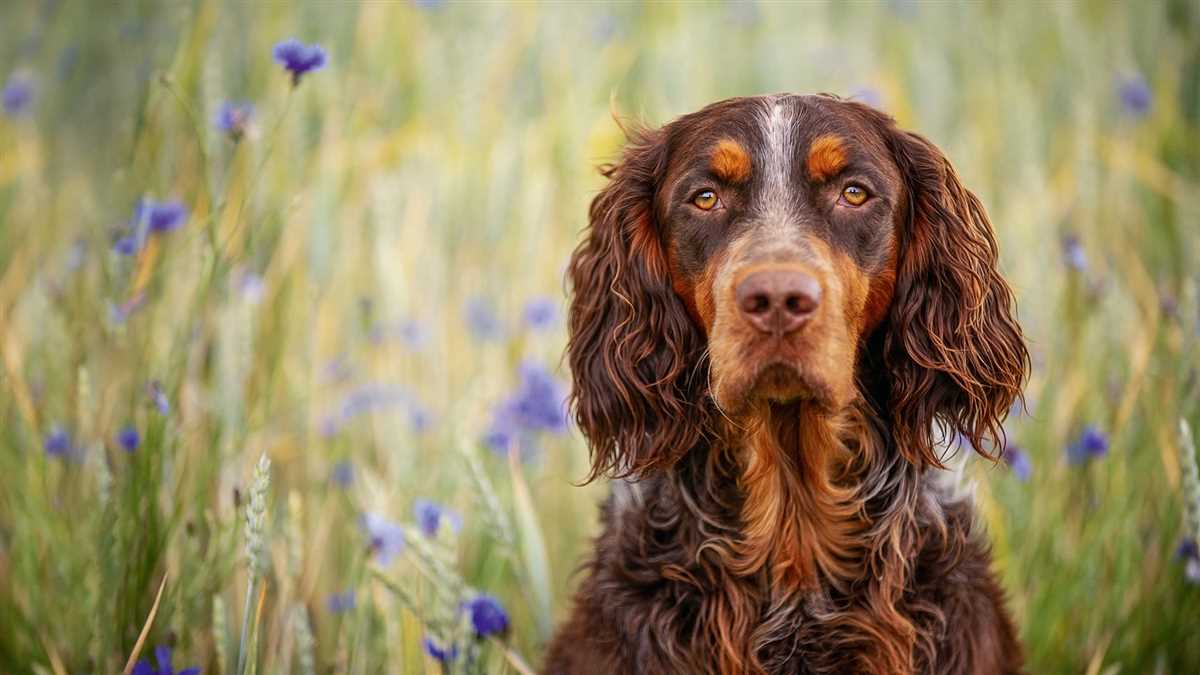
(778, 301)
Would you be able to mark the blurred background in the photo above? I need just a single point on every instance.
(345, 255)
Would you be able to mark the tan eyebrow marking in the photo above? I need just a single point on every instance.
(730, 161)
(826, 157)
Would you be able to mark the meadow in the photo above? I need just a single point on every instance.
(281, 323)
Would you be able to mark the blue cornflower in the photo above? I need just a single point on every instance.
(1073, 253)
(541, 399)
(419, 417)
(127, 245)
(538, 404)
(386, 538)
(482, 320)
(233, 118)
(17, 95)
(336, 370)
(502, 432)
(251, 286)
(58, 442)
(329, 426)
(869, 96)
(1134, 93)
(298, 58)
(1091, 444)
(343, 473)
(438, 652)
(1018, 461)
(162, 216)
(487, 616)
(129, 438)
(158, 397)
(372, 396)
(162, 654)
(1189, 553)
(541, 313)
(341, 602)
(429, 515)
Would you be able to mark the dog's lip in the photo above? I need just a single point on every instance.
(780, 381)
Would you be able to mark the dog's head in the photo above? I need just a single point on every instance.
(786, 249)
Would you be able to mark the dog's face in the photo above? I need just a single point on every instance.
(786, 249)
(779, 217)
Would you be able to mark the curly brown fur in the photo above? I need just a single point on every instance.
(777, 510)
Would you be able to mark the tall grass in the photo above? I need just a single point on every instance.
(348, 296)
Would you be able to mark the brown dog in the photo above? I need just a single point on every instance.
(778, 303)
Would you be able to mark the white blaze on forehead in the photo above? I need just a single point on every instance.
(777, 125)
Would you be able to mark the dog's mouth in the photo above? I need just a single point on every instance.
(775, 382)
(780, 382)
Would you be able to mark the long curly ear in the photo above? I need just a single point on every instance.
(954, 350)
(632, 347)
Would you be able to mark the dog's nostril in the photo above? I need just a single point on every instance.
(800, 303)
(757, 303)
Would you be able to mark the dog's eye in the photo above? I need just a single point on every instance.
(854, 195)
(705, 200)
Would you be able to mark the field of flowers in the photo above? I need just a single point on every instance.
(281, 312)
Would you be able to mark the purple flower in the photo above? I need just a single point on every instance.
(438, 652)
(372, 396)
(162, 216)
(419, 417)
(251, 286)
(1073, 253)
(482, 320)
(1189, 553)
(541, 313)
(487, 616)
(869, 96)
(429, 515)
(127, 245)
(129, 438)
(336, 370)
(162, 654)
(233, 118)
(1091, 444)
(1134, 93)
(298, 58)
(1018, 461)
(17, 95)
(341, 602)
(58, 443)
(158, 397)
(538, 404)
(386, 538)
(343, 474)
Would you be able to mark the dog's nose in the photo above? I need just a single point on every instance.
(778, 301)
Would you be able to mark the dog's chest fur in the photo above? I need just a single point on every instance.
(661, 597)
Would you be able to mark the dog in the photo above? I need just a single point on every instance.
(781, 307)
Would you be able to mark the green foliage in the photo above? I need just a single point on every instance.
(311, 307)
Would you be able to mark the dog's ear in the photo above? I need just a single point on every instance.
(632, 346)
(954, 350)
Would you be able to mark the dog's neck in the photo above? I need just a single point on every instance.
(804, 516)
